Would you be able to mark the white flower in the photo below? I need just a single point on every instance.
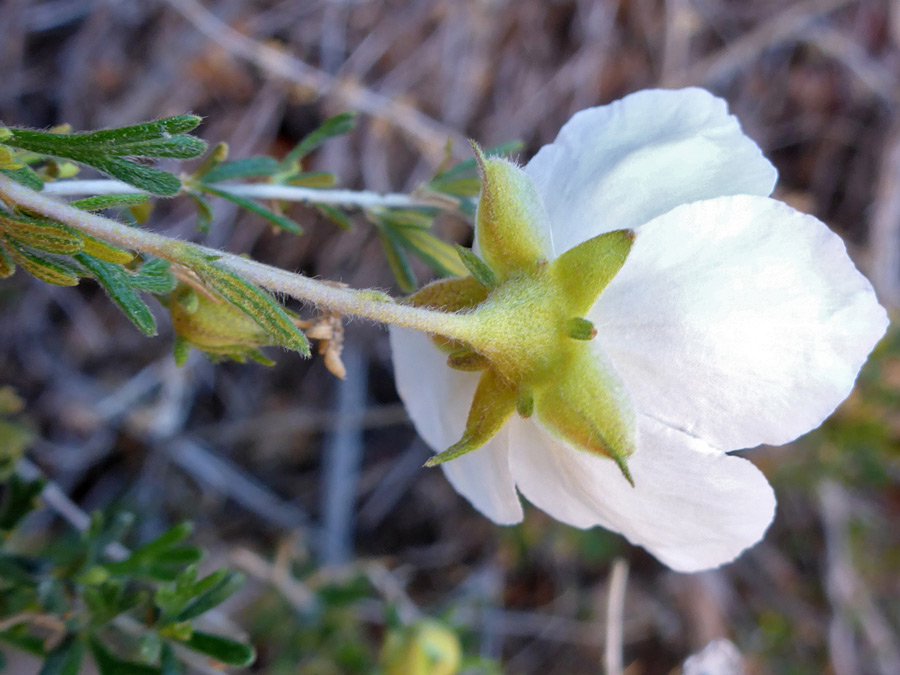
(734, 321)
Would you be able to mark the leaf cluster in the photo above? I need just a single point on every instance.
(215, 170)
(118, 153)
(59, 254)
(131, 610)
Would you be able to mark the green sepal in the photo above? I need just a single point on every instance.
(580, 329)
(511, 225)
(450, 295)
(525, 404)
(468, 360)
(587, 406)
(493, 404)
(483, 274)
(584, 271)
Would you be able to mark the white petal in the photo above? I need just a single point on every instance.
(438, 400)
(738, 320)
(691, 509)
(620, 165)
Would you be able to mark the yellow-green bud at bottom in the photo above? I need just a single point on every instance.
(427, 648)
(215, 327)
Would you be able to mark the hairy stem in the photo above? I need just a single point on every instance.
(286, 193)
(366, 304)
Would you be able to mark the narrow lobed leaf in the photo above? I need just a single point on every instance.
(45, 235)
(398, 260)
(226, 650)
(25, 176)
(483, 274)
(102, 202)
(115, 282)
(41, 266)
(257, 304)
(153, 276)
(334, 126)
(254, 207)
(101, 250)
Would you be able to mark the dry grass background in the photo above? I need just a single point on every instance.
(267, 461)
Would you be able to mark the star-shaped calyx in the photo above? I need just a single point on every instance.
(527, 334)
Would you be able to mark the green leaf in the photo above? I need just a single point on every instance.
(25, 176)
(14, 440)
(422, 218)
(151, 180)
(107, 252)
(40, 265)
(437, 254)
(251, 167)
(204, 211)
(146, 131)
(45, 235)
(102, 202)
(313, 179)
(334, 126)
(230, 652)
(115, 282)
(109, 664)
(168, 663)
(226, 585)
(151, 551)
(105, 150)
(335, 215)
(153, 276)
(254, 207)
(19, 499)
(397, 259)
(65, 659)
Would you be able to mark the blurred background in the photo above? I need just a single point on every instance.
(314, 488)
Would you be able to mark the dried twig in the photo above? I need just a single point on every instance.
(615, 609)
(431, 134)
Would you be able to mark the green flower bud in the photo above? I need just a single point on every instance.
(427, 648)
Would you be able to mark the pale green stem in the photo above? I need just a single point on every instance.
(346, 301)
(287, 193)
